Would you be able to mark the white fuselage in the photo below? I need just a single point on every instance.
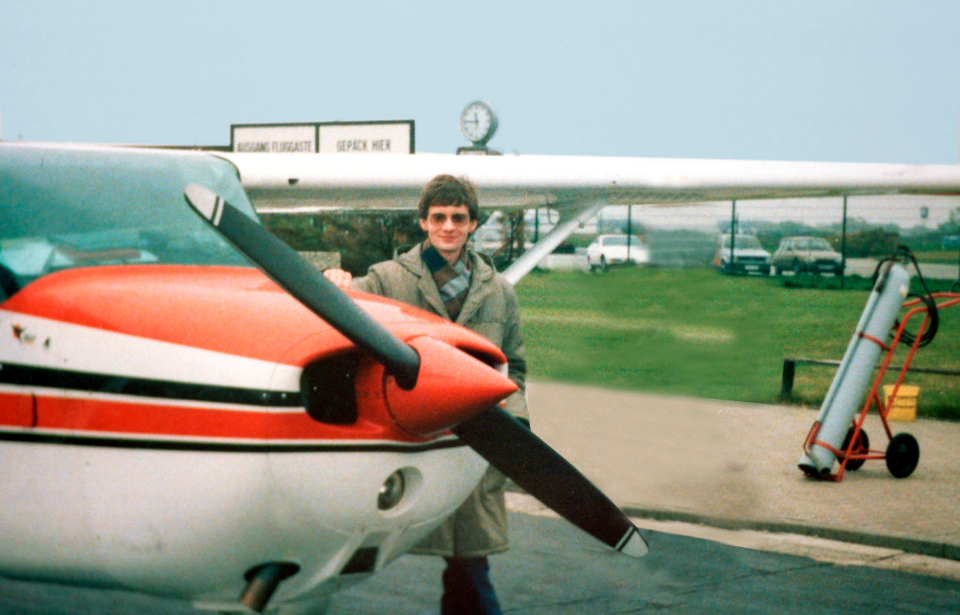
(190, 524)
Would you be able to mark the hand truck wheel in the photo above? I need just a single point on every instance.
(862, 446)
(903, 454)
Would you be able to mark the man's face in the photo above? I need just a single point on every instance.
(448, 227)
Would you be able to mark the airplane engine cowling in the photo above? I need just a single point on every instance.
(453, 386)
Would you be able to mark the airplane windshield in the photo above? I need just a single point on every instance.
(62, 208)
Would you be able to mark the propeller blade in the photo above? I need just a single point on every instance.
(495, 435)
(513, 449)
(307, 285)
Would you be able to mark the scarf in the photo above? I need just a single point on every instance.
(453, 281)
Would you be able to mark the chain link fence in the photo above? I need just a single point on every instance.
(862, 230)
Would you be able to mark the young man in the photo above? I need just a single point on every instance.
(445, 277)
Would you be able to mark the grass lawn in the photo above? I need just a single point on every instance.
(947, 257)
(694, 332)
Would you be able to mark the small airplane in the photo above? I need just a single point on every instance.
(176, 421)
(188, 409)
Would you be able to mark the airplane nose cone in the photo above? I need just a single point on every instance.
(452, 387)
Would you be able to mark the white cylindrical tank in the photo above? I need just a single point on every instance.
(854, 375)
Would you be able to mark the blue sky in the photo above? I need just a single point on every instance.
(829, 80)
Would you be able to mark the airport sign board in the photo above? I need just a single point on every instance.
(381, 137)
(274, 139)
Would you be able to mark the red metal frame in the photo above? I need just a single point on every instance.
(853, 452)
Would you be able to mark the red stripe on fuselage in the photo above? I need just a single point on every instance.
(85, 415)
(16, 410)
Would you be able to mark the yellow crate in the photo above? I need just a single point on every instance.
(904, 406)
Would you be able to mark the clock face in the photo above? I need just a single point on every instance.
(478, 122)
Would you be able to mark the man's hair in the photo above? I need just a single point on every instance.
(449, 190)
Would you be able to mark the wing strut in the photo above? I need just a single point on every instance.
(525, 264)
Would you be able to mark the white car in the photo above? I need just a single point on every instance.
(807, 254)
(611, 250)
(745, 256)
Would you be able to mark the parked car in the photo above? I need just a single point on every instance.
(746, 255)
(611, 250)
(807, 254)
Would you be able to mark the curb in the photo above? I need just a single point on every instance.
(907, 545)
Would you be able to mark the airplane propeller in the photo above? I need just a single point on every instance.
(503, 441)
(300, 279)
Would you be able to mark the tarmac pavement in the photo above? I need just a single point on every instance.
(734, 466)
(938, 271)
(553, 568)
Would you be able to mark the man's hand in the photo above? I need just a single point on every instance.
(339, 277)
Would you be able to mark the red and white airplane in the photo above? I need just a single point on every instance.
(187, 409)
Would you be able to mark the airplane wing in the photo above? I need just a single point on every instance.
(577, 186)
(312, 182)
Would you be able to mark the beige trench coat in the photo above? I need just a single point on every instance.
(479, 527)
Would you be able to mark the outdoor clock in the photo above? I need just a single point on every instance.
(478, 122)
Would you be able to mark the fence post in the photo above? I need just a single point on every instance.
(786, 381)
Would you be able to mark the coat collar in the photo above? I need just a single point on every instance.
(479, 285)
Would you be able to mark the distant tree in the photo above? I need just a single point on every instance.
(952, 225)
(871, 242)
(855, 225)
(792, 228)
(297, 231)
(769, 239)
(362, 239)
(369, 238)
(513, 227)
